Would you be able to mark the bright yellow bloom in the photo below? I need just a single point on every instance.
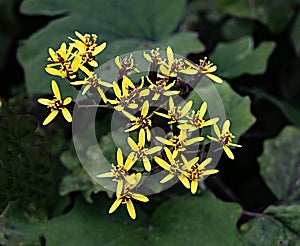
(126, 196)
(180, 142)
(174, 65)
(125, 65)
(225, 138)
(62, 64)
(154, 57)
(140, 151)
(143, 121)
(119, 172)
(196, 121)
(56, 105)
(197, 171)
(205, 67)
(175, 114)
(88, 48)
(175, 168)
(92, 81)
(162, 88)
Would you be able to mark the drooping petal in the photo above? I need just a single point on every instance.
(145, 108)
(50, 117)
(146, 163)
(142, 137)
(130, 209)
(119, 157)
(228, 152)
(214, 78)
(169, 155)
(184, 181)
(85, 89)
(67, 101)
(66, 114)
(119, 187)
(148, 133)
(44, 101)
(115, 205)
(132, 144)
(162, 163)
(117, 89)
(55, 90)
(140, 197)
(99, 48)
(235, 145)
(167, 178)
(194, 186)
(132, 128)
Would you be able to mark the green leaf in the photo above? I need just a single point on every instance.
(195, 221)
(240, 57)
(279, 164)
(295, 35)
(274, 14)
(134, 28)
(225, 103)
(279, 225)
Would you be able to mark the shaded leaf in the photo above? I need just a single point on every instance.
(295, 35)
(195, 221)
(240, 57)
(279, 164)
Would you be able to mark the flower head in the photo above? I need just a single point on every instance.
(154, 57)
(205, 67)
(125, 64)
(142, 152)
(56, 105)
(225, 138)
(127, 194)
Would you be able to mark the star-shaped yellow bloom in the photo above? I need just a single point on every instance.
(56, 105)
(175, 114)
(119, 172)
(205, 67)
(127, 195)
(125, 64)
(196, 121)
(225, 138)
(154, 57)
(140, 151)
(92, 81)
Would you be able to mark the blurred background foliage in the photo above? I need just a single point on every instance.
(46, 196)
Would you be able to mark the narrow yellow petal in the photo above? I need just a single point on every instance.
(202, 110)
(132, 144)
(115, 205)
(140, 197)
(209, 172)
(228, 152)
(147, 164)
(67, 101)
(119, 157)
(144, 93)
(205, 163)
(164, 141)
(105, 175)
(210, 122)
(142, 138)
(147, 57)
(184, 181)
(163, 115)
(169, 155)
(44, 101)
(145, 108)
(79, 82)
(85, 89)
(50, 117)
(117, 89)
(217, 131)
(194, 186)
(128, 115)
(54, 72)
(55, 90)
(212, 138)
(66, 114)
(226, 127)
(117, 61)
(162, 163)
(153, 150)
(235, 145)
(193, 140)
(170, 55)
(131, 159)
(167, 178)
(130, 209)
(186, 108)
(132, 128)
(214, 78)
(171, 103)
(99, 48)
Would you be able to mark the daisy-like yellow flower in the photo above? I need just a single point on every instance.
(196, 171)
(140, 151)
(88, 48)
(92, 81)
(205, 67)
(154, 57)
(174, 65)
(196, 121)
(175, 114)
(56, 105)
(126, 65)
(179, 142)
(225, 138)
(175, 168)
(161, 88)
(62, 63)
(119, 172)
(143, 121)
(127, 194)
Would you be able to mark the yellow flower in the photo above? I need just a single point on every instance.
(140, 151)
(197, 171)
(154, 57)
(196, 121)
(225, 138)
(56, 105)
(62, 64)
(143, 121)
(175, 114)
(125, 65)
(126, 196)
(174, 65)
(88, 48)
(162, 88)
(120, 172)
(92, 81)
(174, 167)
(180, 142)
(205, 67)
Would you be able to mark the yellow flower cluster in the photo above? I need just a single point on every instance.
(134, 101)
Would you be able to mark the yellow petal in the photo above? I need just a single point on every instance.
(162, 163)
(167, 178)
(128, 115)
(132, 144)
(214, 78)
(131, 159)
(210, 122)
(142, 138)
(171, 103)
(117, 61)
(205, 163)
(105, 175)
(226, 127)
(169, 155)
(144, 93)
(93, 63)
(235, 145)
(184, 181)
(140, 197)
(186, 108)
(119, 157)
(54, 72)
(193, 140)
(132, 128)
(202, 110)
(212, 138)
(79, 82)
(115, 205)
(130, 209)
(228, 152)
(147, 164)
(119, 187)
(153, 150)
(117, 89)
(99, 48)
(44, 101)
(67, 101)
(194, 186)
(163, 115)
(55, 90)
(50, 117)
(66, 114)
(170, 55)
(217, 131)
(209, 172)
(164, 141)
(147, 57)
(145, 108)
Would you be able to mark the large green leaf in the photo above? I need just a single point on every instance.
(274, 14)
(295, 34)
(195, 221)
(240, 57)
(127, 26)
(225, 103)
(279, 164)
(278, 225)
